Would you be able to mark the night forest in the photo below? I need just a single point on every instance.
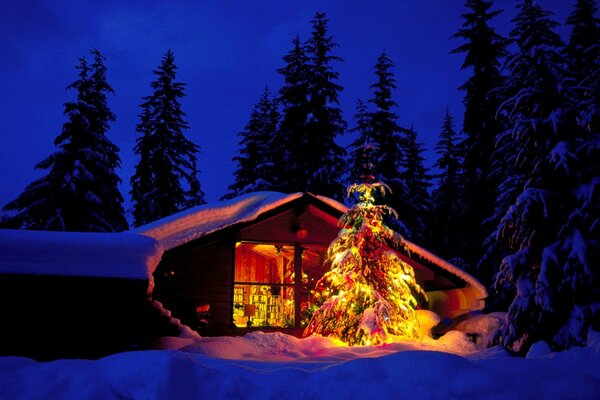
(513, 197)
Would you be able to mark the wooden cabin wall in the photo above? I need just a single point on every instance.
(46, 317)
(195, 276)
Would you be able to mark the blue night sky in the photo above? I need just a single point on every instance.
(226, 51)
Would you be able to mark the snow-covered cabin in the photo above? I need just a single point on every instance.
(82, 295)
(251, 262)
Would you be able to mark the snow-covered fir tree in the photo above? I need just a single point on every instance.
(552, 250)
(80, 191)
(484, 51)
(445, 221)
(166, 177)
(311, 117)
(369, 293)
(257, 155)
(416, 204)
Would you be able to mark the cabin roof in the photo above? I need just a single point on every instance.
(102, 255)
(201, 221)
(197, 222)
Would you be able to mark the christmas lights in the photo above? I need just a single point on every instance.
(369, 294)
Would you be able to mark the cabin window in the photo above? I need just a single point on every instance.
(265, 284)
(263, 293)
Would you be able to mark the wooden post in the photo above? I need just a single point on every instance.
(297, 284)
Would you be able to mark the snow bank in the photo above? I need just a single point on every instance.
(483, 327)
(199, 221)
(276, 366)
(114, 255)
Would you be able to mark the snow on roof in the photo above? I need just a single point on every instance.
(200, 221)
(114, 255)
(333, 203)
(414, 248)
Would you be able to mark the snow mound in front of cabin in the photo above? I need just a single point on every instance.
(106, 255)
(196, 222)
(277, 346)
(277, 366)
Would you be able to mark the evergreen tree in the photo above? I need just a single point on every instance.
(484, 49)
(583, 50)
(166, 177)
(311, 118)
(291, 141)
(386, 133)
(583, 53)
(255, 160)
(583, 225)
(369, 293)
(552, 249)
(80, 191)
(445, 222)
(325, 122)
(416, 204)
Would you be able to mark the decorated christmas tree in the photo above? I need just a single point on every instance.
(369, 294)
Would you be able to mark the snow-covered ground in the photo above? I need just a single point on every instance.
(277, 366)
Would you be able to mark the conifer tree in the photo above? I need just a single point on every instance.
(552, 250)
(416, 204)
(369, 293)
(80, 192)
(325, 122)
(582, 50)
(484, 51)
(166, 177)
(311, 118)
(255, 162)
(291, 140)
(384, 133)
(445, 222)
(583, 54)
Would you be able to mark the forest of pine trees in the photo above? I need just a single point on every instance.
(513, 196)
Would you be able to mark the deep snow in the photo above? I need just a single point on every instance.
(277, 366)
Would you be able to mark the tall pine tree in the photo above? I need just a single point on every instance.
(311, 118)
(484, 51)
(257, 155)
(552, 253)
(291, 141)
(80, 192)
(325, 122)
(583, 50)
(445, 222)
(166, 177)
(386, 137)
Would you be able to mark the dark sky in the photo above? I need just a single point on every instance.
(226, 52)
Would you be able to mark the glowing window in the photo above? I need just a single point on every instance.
(264, 286)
